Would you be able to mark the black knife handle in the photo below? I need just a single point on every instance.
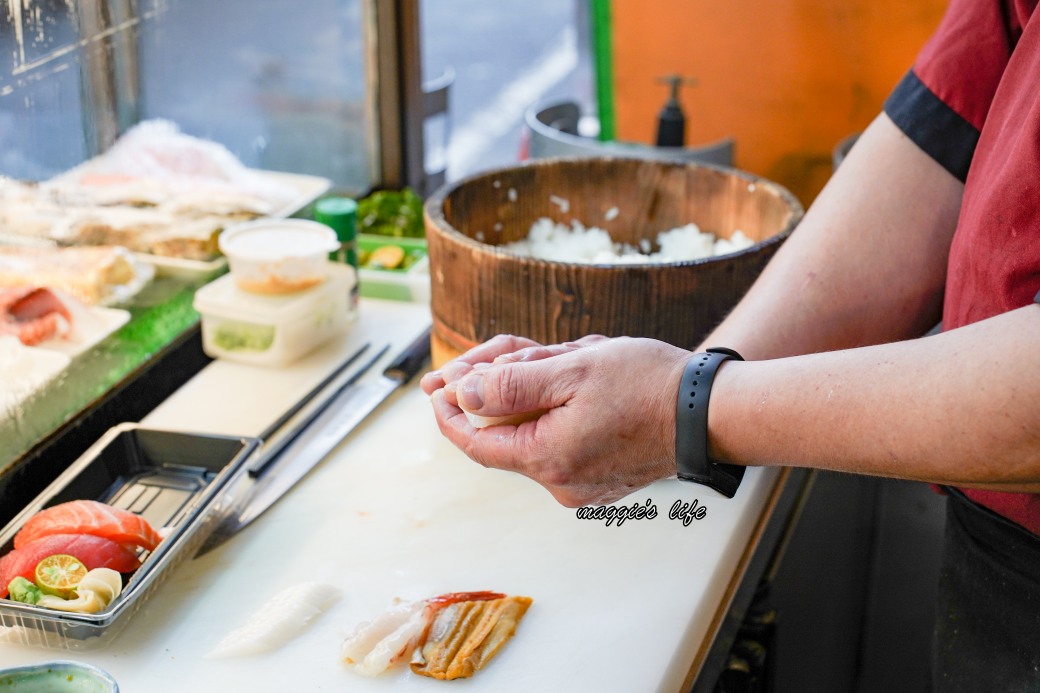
(412, 359)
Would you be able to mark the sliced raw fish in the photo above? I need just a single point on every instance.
(25, 304)
(94, 552)
(89, 517)
(392, 648)
(278, 620)
(368, 634)
(33, 314)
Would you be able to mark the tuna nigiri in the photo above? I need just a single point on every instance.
(94, 552)
(89, 517)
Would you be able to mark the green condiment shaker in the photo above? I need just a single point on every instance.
(340, 215)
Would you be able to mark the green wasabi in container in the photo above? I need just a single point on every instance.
(57, 677)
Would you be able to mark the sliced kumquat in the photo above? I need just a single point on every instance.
(59, 575)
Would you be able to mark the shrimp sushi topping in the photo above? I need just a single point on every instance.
(446, 637)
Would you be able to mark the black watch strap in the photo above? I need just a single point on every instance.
(692, 461)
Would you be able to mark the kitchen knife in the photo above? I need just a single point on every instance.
(271, 451)
(343, 414)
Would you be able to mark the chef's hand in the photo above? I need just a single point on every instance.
(503, 348)
(482, 353)
(609, 427)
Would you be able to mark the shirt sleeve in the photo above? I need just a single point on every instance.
(942, 102)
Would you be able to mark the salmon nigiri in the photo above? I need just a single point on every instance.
(89, 517)
(94, 552)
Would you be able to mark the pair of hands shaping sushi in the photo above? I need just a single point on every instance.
(607, 411)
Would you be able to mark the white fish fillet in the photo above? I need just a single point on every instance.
(377, 645)
(279, 620)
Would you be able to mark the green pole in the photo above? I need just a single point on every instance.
(603, 60)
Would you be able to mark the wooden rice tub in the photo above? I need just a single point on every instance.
(479, 290)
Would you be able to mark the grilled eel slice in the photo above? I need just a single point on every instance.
(465, 635)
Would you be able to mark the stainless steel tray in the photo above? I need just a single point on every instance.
(182, 482)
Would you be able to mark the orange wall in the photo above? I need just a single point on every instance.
(788, 79)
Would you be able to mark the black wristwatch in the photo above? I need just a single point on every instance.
(692, 461)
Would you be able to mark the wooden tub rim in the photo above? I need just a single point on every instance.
(433, 210)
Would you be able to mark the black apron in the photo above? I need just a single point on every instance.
(987, 634)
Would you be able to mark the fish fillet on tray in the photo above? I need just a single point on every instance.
(44, 329)
(100, 275)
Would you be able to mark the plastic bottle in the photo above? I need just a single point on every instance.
(340, 214)
(671, 121)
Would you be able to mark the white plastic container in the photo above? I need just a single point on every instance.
(278, 256)
(274, 330)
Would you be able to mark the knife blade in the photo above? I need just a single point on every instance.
(272, 451)
(345, 411)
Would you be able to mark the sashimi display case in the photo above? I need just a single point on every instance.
(182, 483)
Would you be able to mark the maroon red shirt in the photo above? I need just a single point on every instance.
(972, 102)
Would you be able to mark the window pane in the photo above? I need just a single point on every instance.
(282, 85)
(41, 122)
(505, 58)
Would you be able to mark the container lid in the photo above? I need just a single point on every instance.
(223, 298)
(273, 239)
(339, 214)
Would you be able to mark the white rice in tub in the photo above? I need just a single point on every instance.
(549, 240)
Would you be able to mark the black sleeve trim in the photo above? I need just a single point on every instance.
(939, 131)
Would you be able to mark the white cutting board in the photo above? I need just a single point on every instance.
(397, 512)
